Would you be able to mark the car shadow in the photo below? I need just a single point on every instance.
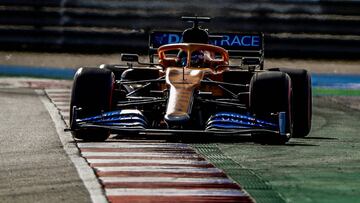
(301, 144)
(319, 138)
(217, 139)
(204, 139)
(208, 139)
(188, 138)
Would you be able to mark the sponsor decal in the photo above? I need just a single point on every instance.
(236, 41)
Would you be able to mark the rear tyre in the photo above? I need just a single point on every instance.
(92, 92)
(270, 92)
(302, 100)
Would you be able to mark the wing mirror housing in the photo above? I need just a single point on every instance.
(250, 61)
(135, 58)
(130, 57)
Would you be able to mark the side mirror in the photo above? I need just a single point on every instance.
(251, 61)
(129, 57)
(135, 58)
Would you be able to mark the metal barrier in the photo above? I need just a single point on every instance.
(304, 28)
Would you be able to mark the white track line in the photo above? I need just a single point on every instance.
(164, 180)
(161, 169)
(58, 91)
(133, 145)
(85, 172)
(175, 192)
(140, 154)
(62, 103)
(147, 161)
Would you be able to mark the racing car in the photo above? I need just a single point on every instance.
(200, 84)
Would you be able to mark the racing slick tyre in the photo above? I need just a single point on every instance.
(270, 92)
(302, 100)
(92, 92)
(113, 68)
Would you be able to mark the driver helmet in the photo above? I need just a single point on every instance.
(197, 58)
(182, 58)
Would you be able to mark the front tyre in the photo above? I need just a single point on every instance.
(302, 95)
(92, 92)
(271, 92)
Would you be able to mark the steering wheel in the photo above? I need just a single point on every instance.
(189, 48)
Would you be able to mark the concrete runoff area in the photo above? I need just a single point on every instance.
(34, 166)
(322, 167)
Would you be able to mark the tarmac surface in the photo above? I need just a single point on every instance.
(34, 165)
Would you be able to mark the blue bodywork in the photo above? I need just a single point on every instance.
(230, 120)
(223, 121)
(129, 118)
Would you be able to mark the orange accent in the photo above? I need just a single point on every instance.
(189, 48)
(166, 62)
(181, 91)
(184, 81)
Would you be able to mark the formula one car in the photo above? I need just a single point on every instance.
(193, 89)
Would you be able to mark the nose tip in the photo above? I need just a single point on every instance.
(177, 118)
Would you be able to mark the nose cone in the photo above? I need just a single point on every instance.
(177, 118)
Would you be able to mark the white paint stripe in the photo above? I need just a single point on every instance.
(147, 161)
(57, 99)
(66, 109)
(175, 192)
(141, 154)
(62, 103)
(164, 169)
(133, 145)
(85, 172)
(58, 94)
(164, 180)
(63, 95)
(58, 91)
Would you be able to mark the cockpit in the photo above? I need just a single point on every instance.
(192, 55)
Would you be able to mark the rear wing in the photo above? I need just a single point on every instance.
(248, 46)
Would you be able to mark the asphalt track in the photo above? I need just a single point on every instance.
(33, 165)
(324, 167)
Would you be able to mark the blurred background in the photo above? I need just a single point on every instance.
(302, 29)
